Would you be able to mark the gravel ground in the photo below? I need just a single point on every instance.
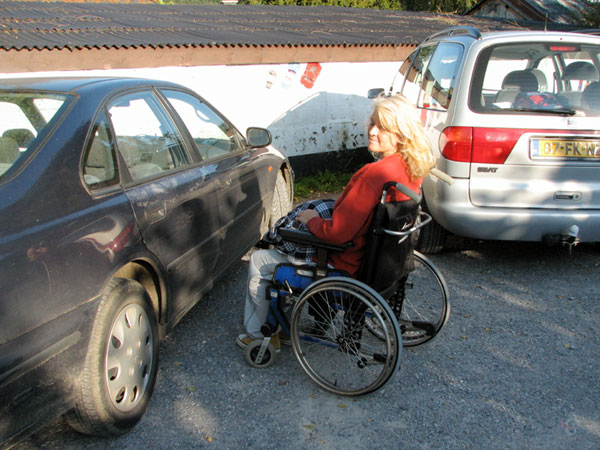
(517, 366)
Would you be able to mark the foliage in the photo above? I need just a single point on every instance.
(439, 6)
(453, 6)
(590, 16)
(189, 2)
(323, 184)
(378, 4)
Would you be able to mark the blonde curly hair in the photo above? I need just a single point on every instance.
(397, 115)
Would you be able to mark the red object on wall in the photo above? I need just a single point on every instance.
(310, 74)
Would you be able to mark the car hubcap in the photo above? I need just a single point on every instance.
(129, 357)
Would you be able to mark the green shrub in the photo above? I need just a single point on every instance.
(323, 184)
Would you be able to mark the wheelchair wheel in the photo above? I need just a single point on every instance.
(421, 304)
(256, 358)
(331, 343)
(425, 308)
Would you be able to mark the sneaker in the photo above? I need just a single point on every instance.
(284, 339)
(275, 341)
(243, 340)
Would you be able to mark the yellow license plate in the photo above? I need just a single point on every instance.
(562, 148)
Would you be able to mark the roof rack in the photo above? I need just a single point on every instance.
(452, 31)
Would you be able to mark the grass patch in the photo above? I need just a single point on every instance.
(322, 185)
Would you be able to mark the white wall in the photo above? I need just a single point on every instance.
(329, 116)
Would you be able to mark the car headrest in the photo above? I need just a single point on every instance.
(9, 150)
(522, 80)
(580, 70)
(23, 136)
(541, 79)
(591, 96)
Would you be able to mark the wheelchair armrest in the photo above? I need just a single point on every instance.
(304, 237)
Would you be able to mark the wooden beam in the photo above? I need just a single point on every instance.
(14, 61)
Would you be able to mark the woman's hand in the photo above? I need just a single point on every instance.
(306, 215)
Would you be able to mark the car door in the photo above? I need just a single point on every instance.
(242, 173)
(173, 195)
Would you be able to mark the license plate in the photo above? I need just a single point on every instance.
(565, 149)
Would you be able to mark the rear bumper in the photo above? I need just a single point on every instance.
(451, 208)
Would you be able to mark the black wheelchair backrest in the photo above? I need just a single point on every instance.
(388, 258)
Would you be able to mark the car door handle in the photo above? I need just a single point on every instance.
(156, 212)
(567, 196)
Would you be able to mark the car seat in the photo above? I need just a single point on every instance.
(514, 83)
(581, 71)
(541, 79)
(9, 150)
(591, 96)
(22, 136)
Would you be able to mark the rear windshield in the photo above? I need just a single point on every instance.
(25, 116)
(549, 78)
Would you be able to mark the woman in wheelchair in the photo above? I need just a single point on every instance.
(400, 147)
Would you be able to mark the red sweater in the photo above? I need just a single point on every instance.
(353, 209)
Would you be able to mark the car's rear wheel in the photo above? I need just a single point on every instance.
(121, 364)
(282, 203)
(432, 237)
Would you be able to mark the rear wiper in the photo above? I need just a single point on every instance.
(559, 111)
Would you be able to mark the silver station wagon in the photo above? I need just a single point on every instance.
(513, 117)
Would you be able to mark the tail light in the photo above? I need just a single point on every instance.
(457, 143)
(479, 145)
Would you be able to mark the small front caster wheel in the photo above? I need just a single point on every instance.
(257, 358)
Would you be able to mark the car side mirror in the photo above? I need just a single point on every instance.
(376, 92)
(258, 137)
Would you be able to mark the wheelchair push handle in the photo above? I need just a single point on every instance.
(422, 218)
(401, 188)
(442, 176)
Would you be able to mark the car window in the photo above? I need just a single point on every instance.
(414, 73)
(24, 116)
(400, 76)
(431, 76)
(99, 167)
(440, 76)
(212, 134)
(146, 137)
(538, 76)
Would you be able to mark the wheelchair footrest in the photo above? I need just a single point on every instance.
(419, 325)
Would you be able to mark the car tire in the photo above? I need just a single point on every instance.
(432, 237)
(282, 203)
(121, 363)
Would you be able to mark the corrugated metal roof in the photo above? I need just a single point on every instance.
(62, 25)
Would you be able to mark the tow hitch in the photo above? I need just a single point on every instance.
(569, 238)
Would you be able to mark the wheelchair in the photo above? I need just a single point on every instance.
(348, 333)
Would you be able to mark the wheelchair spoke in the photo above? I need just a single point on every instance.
(425, 307)
(331, 344)
(420, 306)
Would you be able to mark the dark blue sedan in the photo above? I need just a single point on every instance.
(121, 202)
